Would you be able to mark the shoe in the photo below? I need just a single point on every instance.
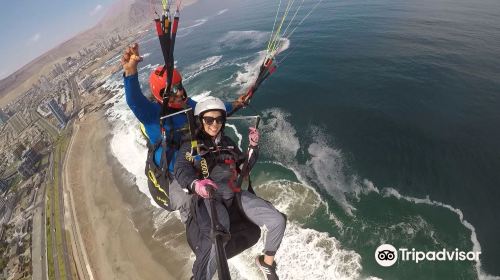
(268, 270)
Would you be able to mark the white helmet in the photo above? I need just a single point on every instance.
(209, 104)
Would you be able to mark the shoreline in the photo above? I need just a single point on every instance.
(103, 192)
(143, 214)
(111, 222)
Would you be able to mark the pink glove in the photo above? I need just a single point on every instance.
(200, 187)
(253, 136)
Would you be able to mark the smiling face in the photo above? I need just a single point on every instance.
(212, 122)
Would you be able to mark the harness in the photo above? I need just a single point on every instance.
(159, 177)
(243, 233)
(208, 157)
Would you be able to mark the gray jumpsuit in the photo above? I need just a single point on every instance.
(223, 160)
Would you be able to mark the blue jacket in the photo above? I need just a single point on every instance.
(148, 113)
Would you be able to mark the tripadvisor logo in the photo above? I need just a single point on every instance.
(387, 255)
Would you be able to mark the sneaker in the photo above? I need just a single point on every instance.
(268, 270)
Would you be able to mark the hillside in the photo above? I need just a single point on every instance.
(122, 15)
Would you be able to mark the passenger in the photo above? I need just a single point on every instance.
(218, 166)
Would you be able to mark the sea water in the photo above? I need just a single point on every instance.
(379, 126)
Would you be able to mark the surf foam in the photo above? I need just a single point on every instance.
(387, 192)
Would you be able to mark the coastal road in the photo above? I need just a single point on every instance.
(59, 159)
(52, 216)
(39, 250)
(66, 257)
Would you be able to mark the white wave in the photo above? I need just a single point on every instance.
(369, 186)
(246, 77)
(282, 45)
(324, 169)
(113, 60)
(145, 55)
(408, 230)
(232, 76)
(303, 254)
(198, 68)
(476, 247)
(197, 23)
(247, 39)
(238, 135)
(280, 137)
(222, 11)
(112, 84)
(148, 67)
(146, 39)
(127, 143)
(184, 31)
(302, 250)
(297, 200)
(304, 183)
(201, 96)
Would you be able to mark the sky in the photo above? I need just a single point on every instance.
(29, 28)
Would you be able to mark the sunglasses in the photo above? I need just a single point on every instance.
(177, 87)
(218, 120)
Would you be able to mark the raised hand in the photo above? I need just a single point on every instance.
(130, 59)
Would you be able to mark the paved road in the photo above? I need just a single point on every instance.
(39, 253)
(66, 256)
(53, 227)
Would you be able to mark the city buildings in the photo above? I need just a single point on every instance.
(18, 122)
(58, 113)
(3, 117)
(28, 166)
(3, 187)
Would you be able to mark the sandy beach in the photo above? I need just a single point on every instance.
(114, 218)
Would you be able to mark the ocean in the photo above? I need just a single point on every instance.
(380, 126)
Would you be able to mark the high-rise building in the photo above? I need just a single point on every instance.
(58, 113)
(85, 83)
(3, 186)
(19, 150)
(3, 117)
(28, 165)
(26, 170)
(3, 201)
(39, 146)
(31, 156)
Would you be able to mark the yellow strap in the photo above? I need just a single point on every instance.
(152, 177)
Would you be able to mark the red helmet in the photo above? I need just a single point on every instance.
(158, 83)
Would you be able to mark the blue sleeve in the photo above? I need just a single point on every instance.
(191, 103)
(144, 110)
(229, 107)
